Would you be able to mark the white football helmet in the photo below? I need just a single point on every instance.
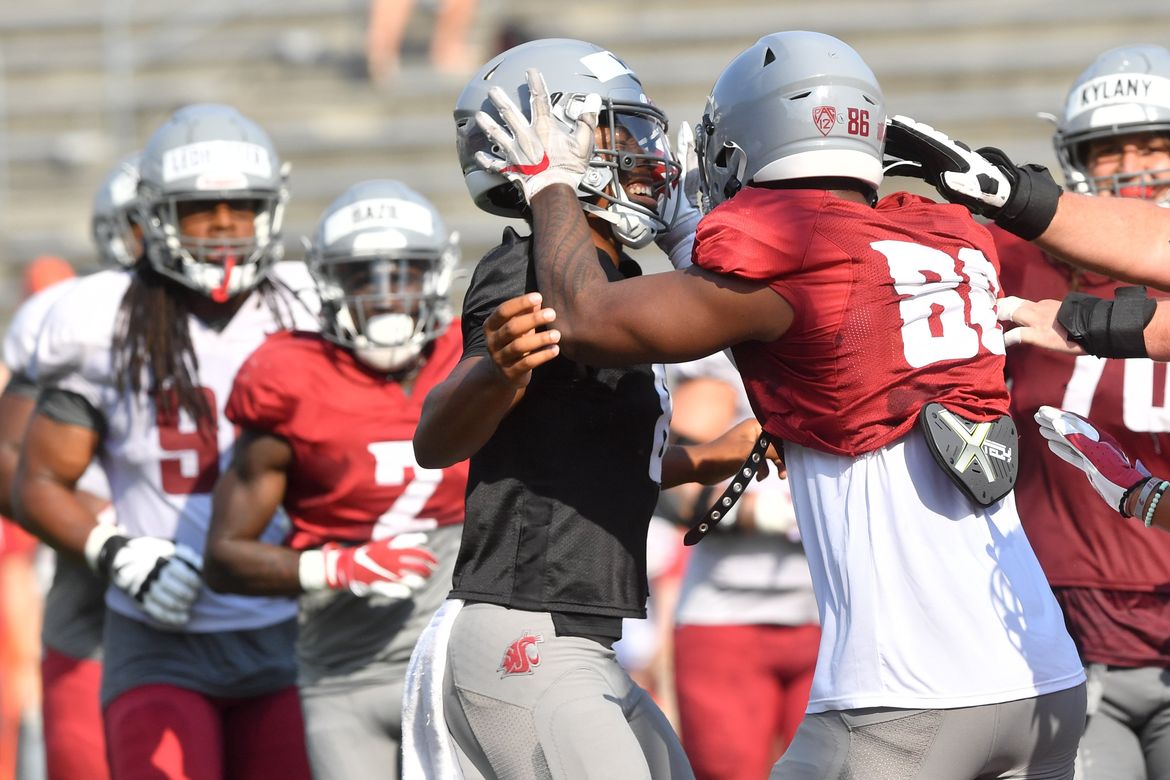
(795, 105)
(211, 153)
(115, 206)
(632, 164)
(383, 263)
(1126, 90)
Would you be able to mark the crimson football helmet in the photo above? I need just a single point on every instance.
(794, 105)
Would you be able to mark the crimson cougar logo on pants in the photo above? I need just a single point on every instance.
(522, 655)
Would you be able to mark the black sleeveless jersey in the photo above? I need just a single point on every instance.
(560, 497)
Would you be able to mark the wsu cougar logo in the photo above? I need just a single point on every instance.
(824, 117)
(521, 655)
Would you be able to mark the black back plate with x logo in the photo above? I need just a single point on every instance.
(981, 458)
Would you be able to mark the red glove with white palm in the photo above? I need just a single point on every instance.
(1077, 441)
(394, 568)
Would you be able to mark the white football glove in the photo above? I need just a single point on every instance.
(1022, 199)
(682, 203)
(544, 151)
(960, 175)
(136, 565)
(1075, 440)
(179, 582)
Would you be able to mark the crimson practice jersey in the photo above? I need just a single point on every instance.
(1080, 541)
(894, 308)
(353, 475)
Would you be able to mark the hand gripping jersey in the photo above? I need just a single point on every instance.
(353, 476)
(895, 308)
(162, 470)
(1082, 543)
(926, 599)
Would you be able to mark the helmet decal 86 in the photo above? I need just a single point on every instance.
(1125, 91)
(383, 262)
(203, 155)
(632, 164)
(115, 209)
(794, 105)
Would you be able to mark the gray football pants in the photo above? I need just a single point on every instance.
(1128, 734)
(1032, 738)
(523, 703)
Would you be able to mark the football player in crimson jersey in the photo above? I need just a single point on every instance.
(327, 421)
(1108, 576)
(135, 369)
(857, 324)
(516, 675)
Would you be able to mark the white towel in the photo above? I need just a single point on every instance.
(427, 750)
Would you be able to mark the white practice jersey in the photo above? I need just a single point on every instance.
(20, 343)
(927, 601)
(161, 471)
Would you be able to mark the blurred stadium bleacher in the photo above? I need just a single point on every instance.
(82, 82)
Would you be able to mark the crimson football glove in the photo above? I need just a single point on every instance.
(394, 567)
(546, 150)
(1075, 440)
(1020, 198)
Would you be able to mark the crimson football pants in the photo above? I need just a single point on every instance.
(75, 744)
(162, 731)
(742, 692)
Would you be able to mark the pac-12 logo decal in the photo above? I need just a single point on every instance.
(522, 655)
(824, 117)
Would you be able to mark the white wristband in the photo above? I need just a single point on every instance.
(311, 570)
(94, 543)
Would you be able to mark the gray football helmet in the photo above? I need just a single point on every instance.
(115, 207)
(211, 153)
(1126, 90)
(383, 262)
(794, 105)
(632, 162)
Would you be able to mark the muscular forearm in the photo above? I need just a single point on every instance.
(1122, 237)
(707, 464)
(251, 567)
(53, 512)
(567, 272)
(1157, 333)
(461, 414)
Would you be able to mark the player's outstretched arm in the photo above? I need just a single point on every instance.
(1119, 323)
(246, 497)
(461, 413)
(713, 462)
(1125, 238)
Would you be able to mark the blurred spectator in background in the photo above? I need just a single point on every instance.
(1109, 577)
(449, 50)
(747, 631)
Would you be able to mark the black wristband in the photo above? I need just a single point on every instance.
(1112, 329)
(105, 557)
(1032, 205)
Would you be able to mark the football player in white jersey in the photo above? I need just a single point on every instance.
(135, 369)
(74, 609)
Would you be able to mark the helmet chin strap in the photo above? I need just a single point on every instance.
(631, 228)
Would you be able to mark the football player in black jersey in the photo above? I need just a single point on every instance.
(566, 464)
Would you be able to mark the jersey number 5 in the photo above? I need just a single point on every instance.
(193, 464)
(949, 308)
